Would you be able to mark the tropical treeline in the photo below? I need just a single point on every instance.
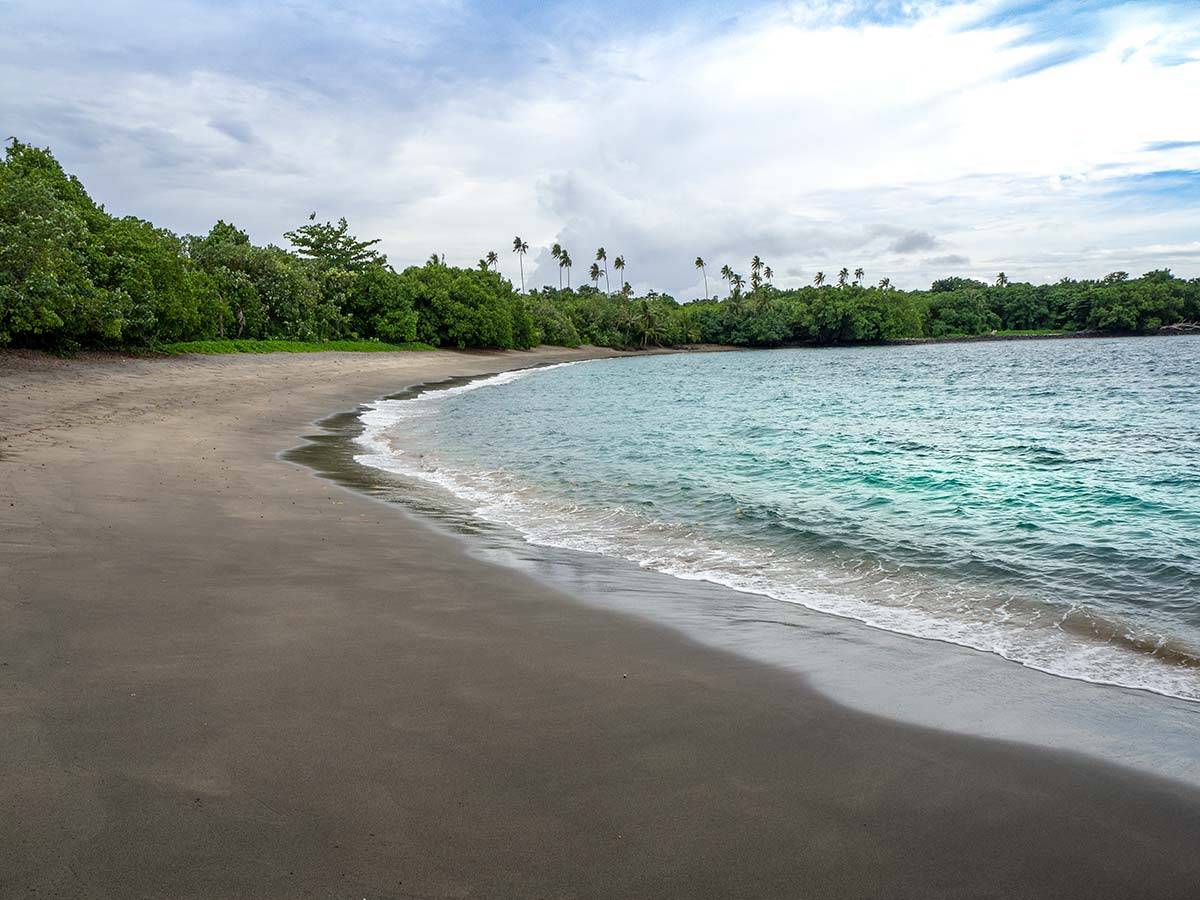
(72, 275)
(850, 311)
(952, 307)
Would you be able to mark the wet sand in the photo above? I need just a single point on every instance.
(222, 676)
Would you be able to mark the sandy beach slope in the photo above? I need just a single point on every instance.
(222, 676)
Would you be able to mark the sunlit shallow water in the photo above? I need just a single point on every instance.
(1040, 501)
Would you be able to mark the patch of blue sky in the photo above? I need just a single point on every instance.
(1047, 20)
(1077, 28)
(1160, 146)
(1165, 187)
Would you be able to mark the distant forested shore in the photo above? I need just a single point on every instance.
(73, 276)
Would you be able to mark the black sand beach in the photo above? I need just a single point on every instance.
(222, 676)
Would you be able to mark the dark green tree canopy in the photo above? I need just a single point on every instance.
(954, 283)
(331, 246)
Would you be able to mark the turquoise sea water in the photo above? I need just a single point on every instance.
(1039, 500)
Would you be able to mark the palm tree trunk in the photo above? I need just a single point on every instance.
(704, 272)
(521, 260)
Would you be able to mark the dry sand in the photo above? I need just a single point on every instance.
(221, 676)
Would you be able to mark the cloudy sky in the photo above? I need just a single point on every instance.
(916, 139)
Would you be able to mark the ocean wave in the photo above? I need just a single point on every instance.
(1074, 642)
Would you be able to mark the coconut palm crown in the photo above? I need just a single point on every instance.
(556, 251)
(520, 247)
(602, 257)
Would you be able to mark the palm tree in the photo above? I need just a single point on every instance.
(434, 261)
(626, 288)
(483, 264)
(492, 259)
(756, 265)
(819, 279)
(619, 265)
(726, 273)
(648, 325)
(521, 248)
(737, 282)
(594, 273)
(556, 251)
(858, 275)
(564, 262)
(768, 274)
(1001, 280)
(885, 283)
(704, 272)
(842, 276)
(602, 257)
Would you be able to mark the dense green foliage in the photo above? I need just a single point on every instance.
(242, 345)
(72, 275)
(768, 316)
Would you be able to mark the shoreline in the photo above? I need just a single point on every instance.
(1141, 728)
(221, 678)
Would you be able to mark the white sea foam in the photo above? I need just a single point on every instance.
(686, 552)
